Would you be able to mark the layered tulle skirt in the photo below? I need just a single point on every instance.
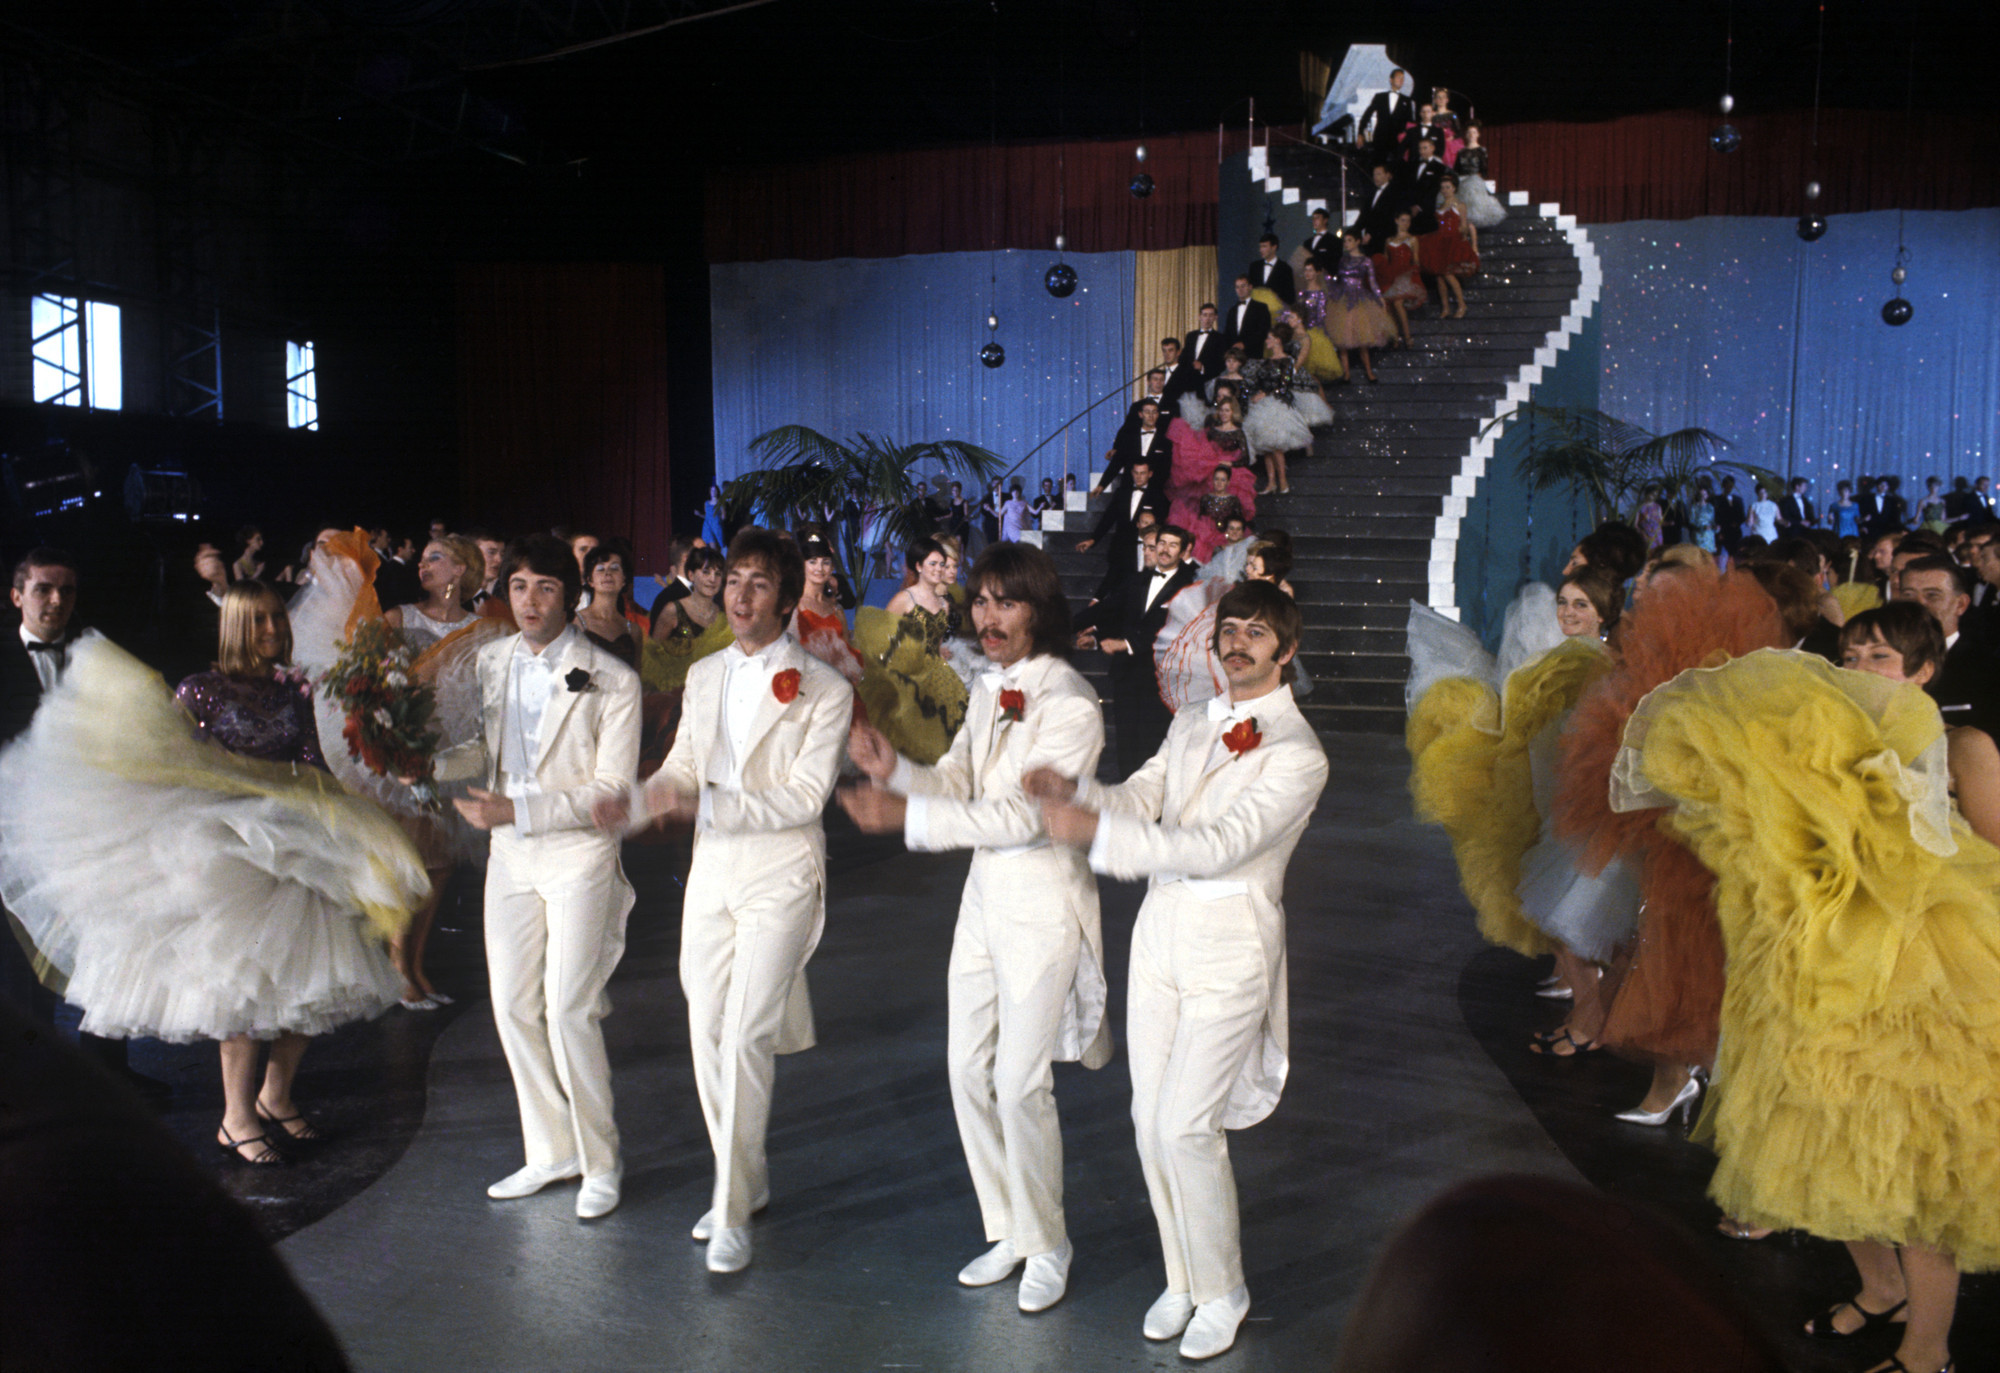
(175, 890)
(907, 688)
(1482, 208)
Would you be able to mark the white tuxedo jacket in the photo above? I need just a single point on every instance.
(589, 744)
(1186, 814)
(972, 799)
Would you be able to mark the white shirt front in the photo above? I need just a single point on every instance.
(531, 683)
(1160, 579)
(1242, 308)
(48, 665)
(1146, 437)
(747, 681)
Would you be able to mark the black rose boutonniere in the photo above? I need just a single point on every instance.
(579, 680)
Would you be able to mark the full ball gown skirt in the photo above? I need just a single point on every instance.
(1860, 1054)
(1396, 270)
(1482, 208)
(1317, 355)
(1355, 317)
(1446, 251)
(910, 692)
(1189, 669)
(186, 892)
(1272, 426)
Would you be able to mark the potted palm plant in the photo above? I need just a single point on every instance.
(1612, 461)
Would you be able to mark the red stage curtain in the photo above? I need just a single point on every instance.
(943, 200)
(562, 400)
(1660, 166)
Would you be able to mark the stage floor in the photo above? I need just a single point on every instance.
(1408, 1074)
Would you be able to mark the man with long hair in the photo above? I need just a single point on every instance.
(1211, 821)
(1026, 981)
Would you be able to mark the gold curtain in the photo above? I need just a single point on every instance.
(1168, 289)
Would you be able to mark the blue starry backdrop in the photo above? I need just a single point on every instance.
(890, 346)
(1778, 345)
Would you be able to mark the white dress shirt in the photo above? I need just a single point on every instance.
(746, 681)
(531, 683)
(48, 665)
(1160, 579)
(1146, 437)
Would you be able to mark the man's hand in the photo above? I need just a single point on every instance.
(485, 811)
(871, 751)
(873, 810)
(1046, 784)
(1114, 646)
(1085, 545)
(1068, 824)
(612, 814)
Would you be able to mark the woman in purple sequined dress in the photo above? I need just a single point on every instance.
(190, 869)
(1355, 317)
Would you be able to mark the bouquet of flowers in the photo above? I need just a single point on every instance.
(388, 710)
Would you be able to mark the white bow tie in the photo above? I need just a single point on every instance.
(1222, 708)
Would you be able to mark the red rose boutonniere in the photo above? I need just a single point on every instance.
(1013, 705)
(785, 686)
(1242, 737)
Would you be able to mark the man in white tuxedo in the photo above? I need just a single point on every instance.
(559, 733)
(1026, 982)
(1211, 821)
(752, 765)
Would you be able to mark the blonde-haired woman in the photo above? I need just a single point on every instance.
(183, 863)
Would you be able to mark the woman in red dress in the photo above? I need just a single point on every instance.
(1452, 250)
(1401, 281)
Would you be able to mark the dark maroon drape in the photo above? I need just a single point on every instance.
(1660, 166)
(562, 404)
(942, 200)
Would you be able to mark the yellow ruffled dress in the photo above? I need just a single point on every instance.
(910, 692)
(664, 663)
(1860, 1051)
(1470, 773)
(1855, 597)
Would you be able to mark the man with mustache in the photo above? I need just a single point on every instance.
(1026, 981)
(1211, 821)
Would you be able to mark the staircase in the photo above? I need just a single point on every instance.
(1374, 511)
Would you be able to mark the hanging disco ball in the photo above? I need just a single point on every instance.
(1899, 276)
(1059, 280)
(1725, 139)
(992, 355)
(1897, 312)
(1142, 185)
(1812, 227)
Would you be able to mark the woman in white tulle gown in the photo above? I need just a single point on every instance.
(1184, 656)
(186, 866)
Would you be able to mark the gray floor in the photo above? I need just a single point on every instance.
(1390, 1100)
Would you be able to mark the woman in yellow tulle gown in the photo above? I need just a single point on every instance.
(1860, 1047)
(910, 692)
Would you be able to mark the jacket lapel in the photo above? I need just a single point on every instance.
(785, 654)
(493, 699)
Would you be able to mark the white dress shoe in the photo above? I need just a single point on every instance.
(991, 1266)
(531, 1180)
(1046, 1279)
(1168, 1316)
(704, 1229)
(599, 1195)
(729, 1250)
(1213, 1326)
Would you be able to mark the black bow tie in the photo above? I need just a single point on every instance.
(59, 648)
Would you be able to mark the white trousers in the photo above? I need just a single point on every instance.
(555, 929)
(748, 925)
(1013, 960)
(1195, 1007)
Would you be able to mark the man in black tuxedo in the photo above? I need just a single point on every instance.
(1982, 497)
(1202, 349)
(395, 579)
(1795, 509)
(32, 662)
(1377, 220)
(1143, 440)
(1729, 516)
(1124, 625)
(1117, 530)
(1248, 322)
(1181, 377)
(1426, 175)
(1267, 271)
(1420, 129)
(1387, 115)
(1156, 394)
(1967, 687)
(1323, 243)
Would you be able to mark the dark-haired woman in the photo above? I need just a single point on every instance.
(1356, 319)
(1451, 250)
(911, 693)
(188, 865)
(608, 617)
(688, 628)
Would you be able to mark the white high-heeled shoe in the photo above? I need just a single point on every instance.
(1683, 1102)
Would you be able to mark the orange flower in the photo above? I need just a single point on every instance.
(785, 686)
(1242, 737)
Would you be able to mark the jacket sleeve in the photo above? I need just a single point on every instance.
(801, 797)
(1142, 795)
(949, 777)
(1069, 734)
(1263, 814)
(615, 766)
(678, 774)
